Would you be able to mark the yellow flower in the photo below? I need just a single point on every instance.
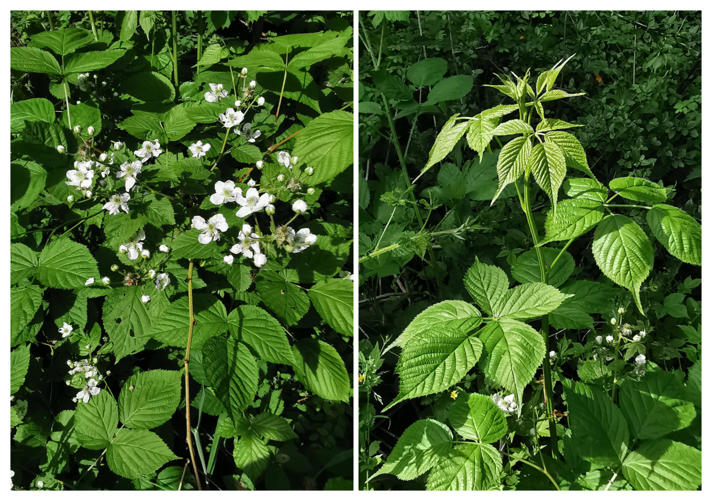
(361, 378)
(453, 394)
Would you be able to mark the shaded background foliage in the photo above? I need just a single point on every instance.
(641, 72)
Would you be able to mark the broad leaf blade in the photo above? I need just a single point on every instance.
(531, 300)
(477, 417)
(431, 317)
(64, 264)
(333, 300)
(548, 165)
(96, 421)
(134, 453)
(320, 368)
(664, 465)
(448, 137)
(149, 399)
(260, 330)
(487, 285)
(467, 467)
(677, 231)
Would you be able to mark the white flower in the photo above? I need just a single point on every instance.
(243, 71)
(163, 248)
(259, 164)
(40, 484)
(89, 391)
(260, 101)
(640, 359)
(65, 330)
(251, 183)
(506, 404)
(90, 130)
(300, 240)
(145, 253)
(198, 150)
(103, 157)
(626, 331)
(280, 178)
(106, 280)
(609, 339)
(129, 171)
(118, 203)
(269, 209)
(231, 118)
(284, 158)
(117, 145)
(260, 260)
(210, 229)
(599, 339)
(248, 134)
(133, 248)
(636, 338)
(162, 281)
(82, 176)
(229, 259)
(552, 354)
(145, 299)
(225, 192)
(238, 103)
(253, 84)
(60, 148)
(621, 310)
(149, 150)
(252, 202)
(89, 281)
(249, 244)
(299, 206)
(613, 321)
(642, 334)
(216, 93)
(151, 274)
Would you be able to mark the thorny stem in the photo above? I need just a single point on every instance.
(284, 82)
(175, 48)
(186, 366)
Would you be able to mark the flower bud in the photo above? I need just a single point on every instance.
(621, 310)
(243, 71)
(70, 198)
(309, 171)
(260, 101)
(90, 130)
(613, 321)
(145, 299)
(253, 84)
(259, 164)
(77, 129)
(114, 267)
(60, 148)
(310, 191)
(106, 280)
(280, 178)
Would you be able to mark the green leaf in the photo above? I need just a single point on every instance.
(246, 153)
(439, 313)
(333, 300)
(62, 42)
(638, 189)
(64, 264)
(487, 285)
(327, 49)
(653, 406)
(271, 427)
(232, 371)
(159, 211)
(134, 453)
(511, 127)
(19, 363)
(251, 455)
(96, 421)
(149, 87)
(28, 181)
(128, 25)
(677, 231)
(449, 89)
(556, 94)
(186, 245)
(427, 72)
(574, 217)
(261, 331)
(288, 301)
(84, 115)
(127, 320)
(91, 61)
(550, 124)
(24, 303)
(581, 187)
(513, 352)
(422, 445)
(512, 162)
(33, 60)
(548, 165)
(437, 361)
(467, 467)
(480, 132)
(448, 137)
(664, 465)
(320, 368)
(477, 417)
(623, 253)
(143, 125)
(526, 267)
(326, 144)
(146, 20)
(149, 399)
(530, 300)
(574, 153)
(212, 54)
(31, 110)
(23, 262)
(599, 428)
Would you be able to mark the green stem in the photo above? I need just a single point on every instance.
(628, 206)
(200, 52)
(175, 48)
(49, 18)
(222, 149)
(93, 26)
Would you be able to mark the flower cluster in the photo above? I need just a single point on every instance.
(84, 373)
(507, 404)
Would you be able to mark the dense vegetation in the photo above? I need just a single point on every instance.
(181, 303)
(499, 346)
